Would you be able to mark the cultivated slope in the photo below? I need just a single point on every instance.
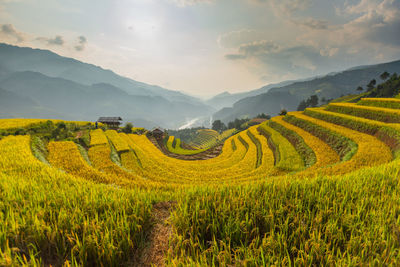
(315, 187)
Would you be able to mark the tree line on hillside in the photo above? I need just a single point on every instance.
(390, 87)
(239, 124)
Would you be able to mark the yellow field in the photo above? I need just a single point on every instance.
(257, 203)
(21, 123)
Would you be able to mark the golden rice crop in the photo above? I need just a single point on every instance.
(286, 157)
(292, 222)
(176, 168)
(157, 164)
(380, 102)
(66, 156)
(325, 155)
(100, 158)
(368, 112)
(305, 152)
(21, 123)
(174, 146)
(97, 137)
(50, 217)
(207, 138)
(344, 146)
(119, 144)
(370, 151)
(226, 158)
(387, 133)
(272, 218)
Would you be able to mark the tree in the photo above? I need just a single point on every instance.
(128, 128)
(302, 106)
(218, 125)
(385, 75)
(359, 89)
(283, 112)
(238, 123)
(313, 101)
(371, 85)
(263, 116)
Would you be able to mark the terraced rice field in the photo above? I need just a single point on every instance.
(20, 123)
(207, 138)
(319, 187)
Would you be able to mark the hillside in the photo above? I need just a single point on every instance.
(260, 198)
(73, 89)
(289, 96)
(227, 99)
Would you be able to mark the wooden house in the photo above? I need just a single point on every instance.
(111, 122)
(157, 132)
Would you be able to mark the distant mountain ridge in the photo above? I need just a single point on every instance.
(288, 97)
(76, 90)
(227, 99)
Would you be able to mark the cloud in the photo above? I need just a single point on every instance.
(285, 7)
(57, 40)
(269, 59)
(258, 48)
(377, 22)
(82, 41)
(363, 32)
(236, 38)
(370, 27)
(312, 23)
(235, 56)
(183, 3)
(8, 31)
(328, 51)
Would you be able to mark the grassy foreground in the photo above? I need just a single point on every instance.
(350, 220)
(51, 217)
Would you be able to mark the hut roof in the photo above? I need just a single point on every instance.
(157, 129)
(109, 119)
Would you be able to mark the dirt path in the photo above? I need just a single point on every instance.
(79, 134)
(154, 253)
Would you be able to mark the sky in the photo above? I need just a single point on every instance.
(206, 47)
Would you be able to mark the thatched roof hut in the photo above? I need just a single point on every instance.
(112, 122)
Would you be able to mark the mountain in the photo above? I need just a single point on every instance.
(75, 90)
(288, 97)
(16, 58)
(227, 99)
(71, 100)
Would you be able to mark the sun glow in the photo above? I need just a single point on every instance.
(144, 28)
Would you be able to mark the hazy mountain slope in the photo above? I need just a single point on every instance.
(76, 90)
(16, 58)
(227, 99)
(71, 100)
(345, 82)
(270, 103)
(289, 96)
(11, 103)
